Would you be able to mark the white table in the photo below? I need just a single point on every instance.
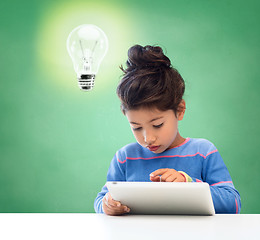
(99, 226)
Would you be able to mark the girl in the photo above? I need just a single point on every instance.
(151, 94)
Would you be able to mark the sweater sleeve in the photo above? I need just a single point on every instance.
(226, 198)
(116, 172)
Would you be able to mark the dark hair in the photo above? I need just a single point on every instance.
(149, 81)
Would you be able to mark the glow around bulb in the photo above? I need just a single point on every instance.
(87, 45)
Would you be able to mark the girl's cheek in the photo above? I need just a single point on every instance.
(139, 139)
(136, 136)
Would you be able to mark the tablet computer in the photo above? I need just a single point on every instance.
(163, 197)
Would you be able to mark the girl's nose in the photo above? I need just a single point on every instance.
(149, 138)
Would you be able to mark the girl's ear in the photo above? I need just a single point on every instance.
(181, 110)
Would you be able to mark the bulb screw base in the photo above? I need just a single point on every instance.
(86, 81)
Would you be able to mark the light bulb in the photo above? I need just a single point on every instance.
(87, 45)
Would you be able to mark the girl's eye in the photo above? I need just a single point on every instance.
(137, 129)
(158, 126)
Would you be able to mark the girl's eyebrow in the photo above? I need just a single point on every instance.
(150, 121)
(156, 119)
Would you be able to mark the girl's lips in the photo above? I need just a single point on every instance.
(153, 148)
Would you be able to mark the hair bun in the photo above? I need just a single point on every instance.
(148, 56)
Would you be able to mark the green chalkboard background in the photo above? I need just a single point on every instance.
(56, 142)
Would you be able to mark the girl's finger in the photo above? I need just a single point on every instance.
(159, 172)
(166, 175)
(111, 201)
(171, 178)
(155, 179)
(116, 210)
(178, 179)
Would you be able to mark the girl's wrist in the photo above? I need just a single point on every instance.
(186, 176)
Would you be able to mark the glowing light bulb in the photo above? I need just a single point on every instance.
(87, 45)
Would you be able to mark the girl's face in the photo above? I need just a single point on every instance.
(154, 129)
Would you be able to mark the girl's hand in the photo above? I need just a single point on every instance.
(112, 207)
(167, 175)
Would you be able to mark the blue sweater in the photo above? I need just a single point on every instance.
(199, 158)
